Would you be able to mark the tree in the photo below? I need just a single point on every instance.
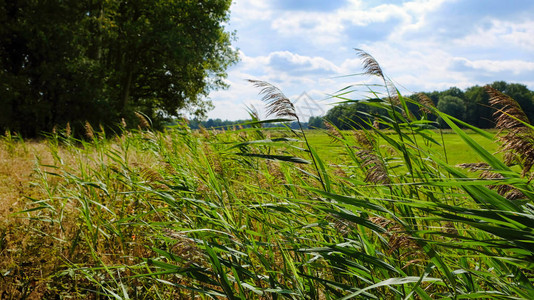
(477, 109)
(100, 60)
(164, 52)
(520, 93)
(42, 65)
(453, 91)
(453, 106)
(471, 106)
(316, 123)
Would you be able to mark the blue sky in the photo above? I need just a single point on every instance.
(423, 45)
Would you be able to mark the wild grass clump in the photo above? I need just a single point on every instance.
(258, 213)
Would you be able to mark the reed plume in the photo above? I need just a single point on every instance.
(364, 139)
(392, 92)
(89, 132)
(370, 65)
(517, 140)
(205, 133)
(426, 103)
(509, 113)
(253, 113)
(474, 166)
(277, 103)
(333, 131)
(143, 120)
(505, 190)
(102, 130)
(398, 239)
(376, 171)
(376, 124)
(68, 130)
(123, 123)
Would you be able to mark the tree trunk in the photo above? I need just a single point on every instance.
(127, 84)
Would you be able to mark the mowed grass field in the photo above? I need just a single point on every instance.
(254, 213)
(455, 148)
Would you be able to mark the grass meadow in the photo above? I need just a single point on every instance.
(455, 149)
(245, 214)
(395, 211)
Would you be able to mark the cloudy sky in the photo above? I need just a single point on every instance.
(423, 45)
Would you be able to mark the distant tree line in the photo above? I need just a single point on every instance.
(102, 60)
(197, 123)
(470, 106)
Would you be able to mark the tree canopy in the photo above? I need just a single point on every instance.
(470, 106)
(100, 60)
(453, 106)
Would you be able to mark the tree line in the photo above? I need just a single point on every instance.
(218, 123)
(471, 106)
(72, 61)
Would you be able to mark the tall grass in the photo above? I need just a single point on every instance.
(245, 214)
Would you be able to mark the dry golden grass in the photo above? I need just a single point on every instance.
(16, 166)
(29, 255)
(21, 256)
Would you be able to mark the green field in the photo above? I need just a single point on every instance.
(254, 213)
(457, 150)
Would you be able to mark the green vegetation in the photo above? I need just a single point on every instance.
(457, 150)
(383, 213)
(99, 61)
(471, 106)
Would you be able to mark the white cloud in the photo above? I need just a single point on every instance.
(325, 28)
(300, 63)
(423, 45)
(248, 11)
(501, 34)
(305, 75)
(513, 66)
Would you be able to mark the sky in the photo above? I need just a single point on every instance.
(306, 48)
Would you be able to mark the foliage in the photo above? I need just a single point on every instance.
(314, 122)
(98, 61)
(452, 106)
(471, 106)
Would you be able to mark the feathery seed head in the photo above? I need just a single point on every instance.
(509, 113)
(277, 103)
(370, 65)
(425, 102)
(364, 139)
(517, 140)
(376, 171)
(68, 130)
(89, 132)
(333, 131)
(474, 166)
(143, 122)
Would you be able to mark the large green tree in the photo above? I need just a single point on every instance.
(453, 106)
(520, 93)
(477, 109)
(100, 60)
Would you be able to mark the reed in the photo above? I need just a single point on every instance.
(243, 215)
